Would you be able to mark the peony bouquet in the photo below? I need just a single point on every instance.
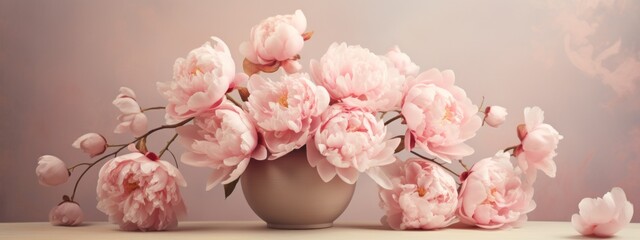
(339, 110)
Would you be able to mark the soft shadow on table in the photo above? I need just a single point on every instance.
(369, 226)
(587, 237)
(205, 226)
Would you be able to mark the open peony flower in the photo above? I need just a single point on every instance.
(350, 140)
(51, 171)
(140, 192)
(539, 143)
(402, 62)
(131, 117)
(439, 115)
(277, 41)
(92, 143)
(424, 196)
(495, 115)
(286, 111)
(603, 217)
(66, 214)
(358, 77)
(223, 139)
(493, 195)
(200, 81)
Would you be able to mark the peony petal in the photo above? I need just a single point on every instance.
(348, 175)
(326, 170)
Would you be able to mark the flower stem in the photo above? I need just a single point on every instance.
(393, 119)
(174, 158)
(168, 144)
(115, 153)
(510, 148)
(233, 101)
(463, 165)
(151, 108)
(117, 145)
(434, 161)
(481, 103)
(77, 165)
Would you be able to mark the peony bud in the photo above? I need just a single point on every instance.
(66, 214)
(495, 115)
(92, 143)
(51, 171)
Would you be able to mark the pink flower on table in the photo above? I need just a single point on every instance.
(51, 171)
(402, 62)
(539, 142)
(493, 195)
(286, 112)
(92, 143)
(348, 141)
(66, 214)
(358, 77)
(495, 115)
(223, 139)
(603, 217)
(424, 196)
(131, 117)
(200, 81)
(277, 40)
(141, 192)
(439, 115)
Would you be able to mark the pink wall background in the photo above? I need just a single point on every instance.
(62, 62)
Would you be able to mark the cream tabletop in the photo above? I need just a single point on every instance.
(258, 230)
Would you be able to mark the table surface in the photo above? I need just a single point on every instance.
(258, 230)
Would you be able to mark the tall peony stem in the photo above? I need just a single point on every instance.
(114, 153)
(393, 119)
(167, 146)
(434, 161)
(233, 101)
(77, 165)
(151, 108)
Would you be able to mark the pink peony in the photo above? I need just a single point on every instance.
(51, 171)
(140, 192)
(200, 81)
(493, 195)
(539, 143)
(603, 217)
(66, 214)
(277, 40)
(223, 139)
(439, 115)
(358, 77)
(495, 115)
(424, 196)
(350, 140)
(402, 62)
(131, 117)
(286, 111)
(92, 143)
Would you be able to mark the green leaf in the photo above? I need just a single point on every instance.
(228, 188)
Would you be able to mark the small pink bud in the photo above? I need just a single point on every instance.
(51, 171)
(522, 131)
(495, 115)
(66, 214)
(92, 143)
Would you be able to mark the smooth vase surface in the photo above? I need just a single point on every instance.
(288, 193)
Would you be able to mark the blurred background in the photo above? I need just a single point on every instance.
(62, 63)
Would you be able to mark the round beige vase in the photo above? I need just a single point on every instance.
(288, 193)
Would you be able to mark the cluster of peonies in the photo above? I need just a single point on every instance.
(336, 111)
(138, 191)
(493, 193)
